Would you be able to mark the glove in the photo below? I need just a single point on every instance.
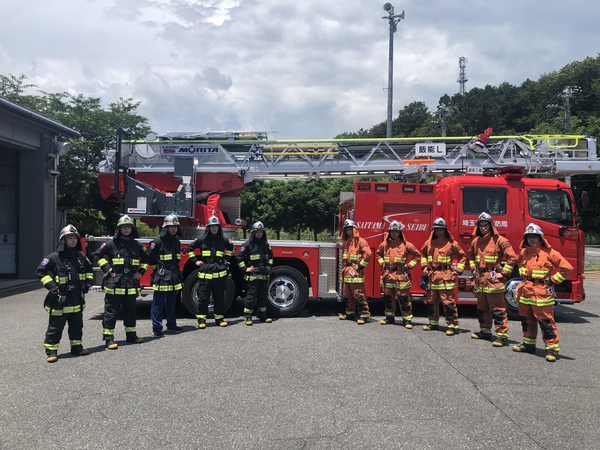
(424, 282)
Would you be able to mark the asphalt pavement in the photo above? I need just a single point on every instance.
(309, 382)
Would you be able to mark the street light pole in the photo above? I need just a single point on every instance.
(393, 21)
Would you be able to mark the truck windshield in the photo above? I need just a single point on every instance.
(551, 206)
(477, 200)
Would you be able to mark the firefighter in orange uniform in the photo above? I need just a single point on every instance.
(437, 255)
(540, 267)
(488, 250)
(355, 257)
(393, 255)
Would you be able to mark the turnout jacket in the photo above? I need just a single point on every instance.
(356, 257)
(437, 254)
(215, 252)
(393, 256)
(69, 271)
(540, 267)
(255, 253)
(125, 256)
(486, 254)
(164, 255)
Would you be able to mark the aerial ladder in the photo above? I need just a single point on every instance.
(249, 155)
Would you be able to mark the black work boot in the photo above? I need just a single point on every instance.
(430, 327)
(264, 319)
(134, 339)
(347, 317)
(407, 324)
(249, 321)
(499, 341)
(389, 320)
(78, 350)
(551, 355)
(362, 320)
(524, 348)
(51, 356)
(221, 322)
(482, 335)
(201, 323)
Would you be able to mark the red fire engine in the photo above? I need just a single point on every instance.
(514, 178)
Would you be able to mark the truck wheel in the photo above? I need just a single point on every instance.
(510, 298)
(191, 288)
(287, 293)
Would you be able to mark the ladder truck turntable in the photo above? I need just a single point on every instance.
(198, 174)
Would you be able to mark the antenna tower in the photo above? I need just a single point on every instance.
(462, 77)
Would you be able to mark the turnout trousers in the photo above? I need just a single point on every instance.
(216, 287)
(354, 295)
(531, 316)
(446, 297)
(256, 294)
(393, 297)
(56, 325)
(492, 308)
(112, 304)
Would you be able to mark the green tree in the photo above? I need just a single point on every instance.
(78, 190)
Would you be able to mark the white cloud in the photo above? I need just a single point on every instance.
(306, 69)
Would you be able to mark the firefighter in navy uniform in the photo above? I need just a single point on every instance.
(213, 265)
(67, 274)
(123, 261)
(255, 260)
(164, 255)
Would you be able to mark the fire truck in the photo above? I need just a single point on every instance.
(516, 179)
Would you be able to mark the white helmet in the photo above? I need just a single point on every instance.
(67, 231)
(170, 220)
(439, 223)
(532, 228)
(124, 220)
(395, 225)
(258, 226)
(213, 220)
(349, 223)
(485, 217)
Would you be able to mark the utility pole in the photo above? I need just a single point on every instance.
(462, 76)
(566, 95)
(393, 21)
(444, 112)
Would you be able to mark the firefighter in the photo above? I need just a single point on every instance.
(213, 264)
(67, 274)
(540, 267)
(356, 256)
(164, 255)
(437, 255)
(393, 255)
(123, 261)
(487, 252)
(255, 260)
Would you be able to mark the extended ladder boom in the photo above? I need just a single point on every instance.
(250, 155)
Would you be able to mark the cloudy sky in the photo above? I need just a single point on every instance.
(305, 69)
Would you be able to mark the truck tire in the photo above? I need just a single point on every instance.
(510, 298)
(189, 294)
(287, 293)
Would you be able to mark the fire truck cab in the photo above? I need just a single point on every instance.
(511, 199)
